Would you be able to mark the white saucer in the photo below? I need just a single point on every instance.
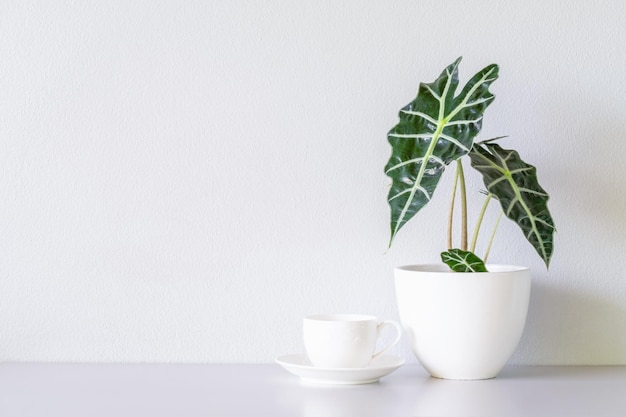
(301, 366)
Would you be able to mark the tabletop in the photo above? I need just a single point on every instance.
(34, 389)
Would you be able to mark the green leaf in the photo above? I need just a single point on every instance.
(434, 129)
(463, 261)
(514, 183)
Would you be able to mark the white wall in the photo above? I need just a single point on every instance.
(183, 181)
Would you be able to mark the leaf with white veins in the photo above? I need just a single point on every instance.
(514, 183)
(463, 261)
(434, 129)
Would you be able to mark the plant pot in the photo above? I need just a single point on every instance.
(463, 325)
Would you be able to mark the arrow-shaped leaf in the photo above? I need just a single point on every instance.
(463, 261)
(514, 183)
(434, 129)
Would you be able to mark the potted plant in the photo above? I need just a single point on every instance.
(464, 318)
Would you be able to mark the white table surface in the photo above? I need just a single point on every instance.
(90, 390)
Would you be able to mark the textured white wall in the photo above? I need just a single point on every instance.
(183, 181)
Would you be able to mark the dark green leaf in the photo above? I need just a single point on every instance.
(463, 261)
(514, 183)
(434, 129)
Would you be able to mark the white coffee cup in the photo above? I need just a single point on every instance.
(344, 340)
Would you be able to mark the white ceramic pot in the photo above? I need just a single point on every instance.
(463, 325)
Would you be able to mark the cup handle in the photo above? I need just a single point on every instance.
(395, 342)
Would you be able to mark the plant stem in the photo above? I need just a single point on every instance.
(493, 234)
(451, 214)
(479, 222)
(459, 165)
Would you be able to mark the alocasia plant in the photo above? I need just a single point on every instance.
(439, 127)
